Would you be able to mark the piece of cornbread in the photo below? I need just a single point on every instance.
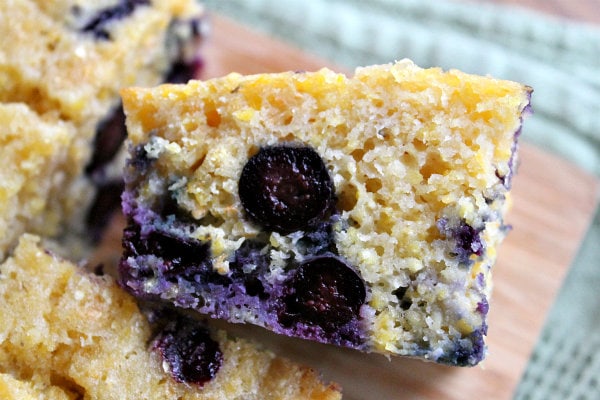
(360, 211)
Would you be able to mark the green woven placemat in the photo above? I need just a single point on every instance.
(559, 59)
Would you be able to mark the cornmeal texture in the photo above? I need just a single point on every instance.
(68, 334)
(62, 63)
(389, 250)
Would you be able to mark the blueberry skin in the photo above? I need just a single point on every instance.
(98, 25)
(187, 348)
(467, 239)
(324, 291)
(286, 188)
(467, 352)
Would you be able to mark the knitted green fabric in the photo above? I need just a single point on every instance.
(559, 59)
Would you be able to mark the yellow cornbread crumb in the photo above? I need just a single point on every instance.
(68, 334)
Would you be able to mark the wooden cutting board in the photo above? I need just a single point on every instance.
(553, 206)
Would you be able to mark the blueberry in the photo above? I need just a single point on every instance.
(192, 356)
(483, 306)
(400, 293)
(250, 254)
(183, 39)
(467, 351)
(181, 71)
(105, 204)
(181, 256)
(286, 188)
(324, 291)
(110, 134)
(98, 25)
(467, 239)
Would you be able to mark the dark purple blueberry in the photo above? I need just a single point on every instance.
(467, 239)
(110, 135)
(286, 188)
(98, 25)
(106, 202)
(192, 356)
(467, 352)
(400, 293)
(183, 40)
(180, 256)
(483, 306)
(324, 291)
(249, 265)
(181, 72)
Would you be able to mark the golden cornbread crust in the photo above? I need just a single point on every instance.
(421, 160)
(67, 334)
(48, 61)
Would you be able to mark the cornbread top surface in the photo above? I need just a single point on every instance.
(69, 58)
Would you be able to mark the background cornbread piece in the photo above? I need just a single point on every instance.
(64, 61)
(66, 334)
(38, 182)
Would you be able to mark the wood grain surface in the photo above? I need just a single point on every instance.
(576, 10)
(552, 207)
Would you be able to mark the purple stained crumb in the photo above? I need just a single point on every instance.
(483, 306)
(155, 265)
(467, 239)
(99, 24)
(188, 350)
(161, 262)
(324, 291)
(467, 352)
(250, 266)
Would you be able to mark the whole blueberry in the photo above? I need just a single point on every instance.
(99, 24)
(191, 354)
(324, 291)
(286, 188)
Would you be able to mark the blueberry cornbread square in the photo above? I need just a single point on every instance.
(361, 211)
(64, 61)
(69, 334)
